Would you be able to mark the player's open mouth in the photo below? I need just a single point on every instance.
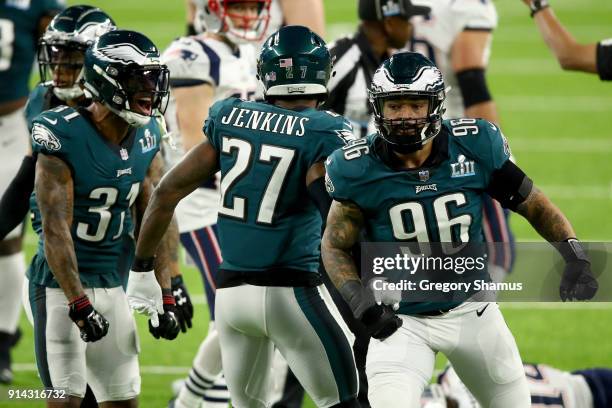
(144, 105)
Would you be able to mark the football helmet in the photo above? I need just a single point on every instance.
(294, 61)
(123, 71)
(215, 16)
(408, 75)
(61, 49)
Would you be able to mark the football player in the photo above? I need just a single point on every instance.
(548, 386)
(61, 51)
(309, 13)
(93, 165)
(269, 291)
(595, 58)
(204, 69)
(456, 35)
(21, 23)
(450, 164)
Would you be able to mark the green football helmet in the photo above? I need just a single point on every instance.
(61, 49)
(294, 62)
(408, 75)
(123, 71)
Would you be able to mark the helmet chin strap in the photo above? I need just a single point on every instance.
(132, 118)
(67, 94)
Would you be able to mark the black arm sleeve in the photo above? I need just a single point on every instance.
(473, 86)
(509, 185)
(16, 199)
(318, 194)
(604, 60)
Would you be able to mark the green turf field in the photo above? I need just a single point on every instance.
(558, 126)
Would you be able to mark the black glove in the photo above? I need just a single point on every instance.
(184, 308)
(168, 323)
(380, 320)
(92, 325)
(578, 281)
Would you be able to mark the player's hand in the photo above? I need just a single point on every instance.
(143, 292)
(380, 320)
(92, 325)
(184, 307)
(168, 327)
(577, 282)
(387, 297)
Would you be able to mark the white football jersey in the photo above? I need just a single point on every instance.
(548, 386)
(197, 60)
(435, 34)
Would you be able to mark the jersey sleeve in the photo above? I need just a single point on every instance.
(191, 62)
(210, 124)
(604, 59)
(337, 177)
(339, 135)
(49, 137)
(498, 145)
(34, 107)
(475, 15)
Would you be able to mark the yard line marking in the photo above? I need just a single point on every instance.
(144, 369)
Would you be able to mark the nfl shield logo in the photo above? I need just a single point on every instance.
(424, 175)
(124, 154)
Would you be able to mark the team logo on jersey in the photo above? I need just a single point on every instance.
(126, 53)
(463, 167)
(507, 150)
(148, 142)
(346, 135)
(123, 172)
(124, 154)
(431, 187)
(423, 175)
(45, 138)
(188, 55)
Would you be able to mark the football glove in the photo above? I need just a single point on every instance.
(379, 320)
(577, 282)
(92, 325)
(168, 327)
(143, 292)
(184, 307)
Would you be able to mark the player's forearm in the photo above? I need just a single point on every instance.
(485, 110)
(314, 18)
(339, 264)
(570, 54)
(166, 261)
(545, 217)
(59, 251)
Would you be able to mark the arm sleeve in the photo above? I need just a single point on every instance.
(604, 59)
(16, 199)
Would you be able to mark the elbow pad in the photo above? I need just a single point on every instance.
(509, 185)
(473, 86)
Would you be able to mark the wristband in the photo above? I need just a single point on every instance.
(538, 5)
(143, 264)
(572, 250)
(168, 297)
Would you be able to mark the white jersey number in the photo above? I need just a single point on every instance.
(269, 154)
(7, 37)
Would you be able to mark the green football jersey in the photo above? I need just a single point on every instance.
(106, 178)
(266, 217)
(19, 21)
(41, 99)
(439, 202)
